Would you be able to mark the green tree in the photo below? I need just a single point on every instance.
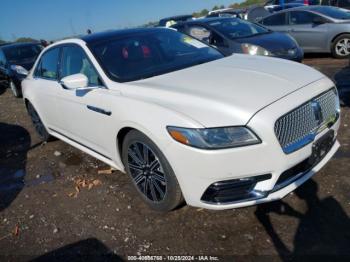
(2, 41)
(25, 39)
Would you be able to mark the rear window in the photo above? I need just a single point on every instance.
(26, 53)
(334, 12)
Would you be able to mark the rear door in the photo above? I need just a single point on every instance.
(276, 22)
(312, 37)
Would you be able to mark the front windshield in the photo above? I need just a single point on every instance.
(237, 28)
(150, 54)
(22, 54)
(334, 12)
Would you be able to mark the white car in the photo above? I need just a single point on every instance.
(183, 121)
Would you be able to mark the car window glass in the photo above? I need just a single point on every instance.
(275, 20)
(75, 61)
(301, 17)
(199, 32)
(150, 54)
(48, 64)
(2, 59)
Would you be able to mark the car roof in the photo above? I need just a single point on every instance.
(205, 20)
(312, 8)
(176, 17)
(13, 45)
(104, 36)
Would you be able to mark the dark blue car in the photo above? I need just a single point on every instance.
(16, 59)
(233, 35)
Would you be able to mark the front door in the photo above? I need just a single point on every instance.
(84, 117)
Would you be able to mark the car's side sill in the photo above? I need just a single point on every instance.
(84, 148)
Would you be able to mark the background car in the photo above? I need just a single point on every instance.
(233, 35)
(15, 62)
(168, 21)
(338, 3)
(317, 29)
(229, 12)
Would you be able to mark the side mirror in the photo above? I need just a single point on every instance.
(73, 82)
(318, 20)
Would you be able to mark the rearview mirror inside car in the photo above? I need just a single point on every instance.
(76, 81)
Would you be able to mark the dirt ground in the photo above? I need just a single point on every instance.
(43, 216)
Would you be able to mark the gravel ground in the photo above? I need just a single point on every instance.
(44, 216)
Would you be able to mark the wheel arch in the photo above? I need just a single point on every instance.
(335, 37)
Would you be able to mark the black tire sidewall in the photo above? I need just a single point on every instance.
(334, 53)
(173, 196)
(18, 92)
(45, 136)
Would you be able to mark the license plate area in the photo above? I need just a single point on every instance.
(321, 147)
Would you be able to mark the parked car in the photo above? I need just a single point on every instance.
(229, 12)
(317, 29)
(338, 3)
(277, 8)
(184, 121)
(15, 61)
(233, 35)
(167, 22)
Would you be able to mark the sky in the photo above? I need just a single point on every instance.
(54, 19)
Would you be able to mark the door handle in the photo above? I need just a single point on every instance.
(99, 110)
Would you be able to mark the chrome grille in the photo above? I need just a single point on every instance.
(300, 126)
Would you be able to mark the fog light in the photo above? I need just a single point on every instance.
(235, 190)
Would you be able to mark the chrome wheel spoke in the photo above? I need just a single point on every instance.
(154, 165)
(139, 178)
(159, 177)
(145, 155)
(134, 157)
(159, 190)
(153, 192)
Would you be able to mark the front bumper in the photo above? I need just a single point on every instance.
(197, 169)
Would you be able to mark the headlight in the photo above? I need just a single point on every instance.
(19, 69)
(254, 50)
(214, 138)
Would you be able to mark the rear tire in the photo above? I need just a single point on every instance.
(150, 172)
(38, 124)
(341, 46)
(15, 91)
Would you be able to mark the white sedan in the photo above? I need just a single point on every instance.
(183, 121)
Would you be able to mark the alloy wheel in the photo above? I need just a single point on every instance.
(147, 172)
(342, 48)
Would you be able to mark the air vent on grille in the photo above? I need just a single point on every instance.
(300, 126)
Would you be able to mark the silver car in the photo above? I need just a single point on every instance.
(317, 29)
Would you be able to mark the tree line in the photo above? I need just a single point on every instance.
(201, 13)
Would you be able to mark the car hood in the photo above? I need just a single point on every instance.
(25, 64)
(273, 42)
(224, 92)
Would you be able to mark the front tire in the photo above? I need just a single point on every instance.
(341, 46)
(15, 91)
(150, 172)
(38, 124)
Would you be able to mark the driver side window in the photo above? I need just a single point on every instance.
(75, 61)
